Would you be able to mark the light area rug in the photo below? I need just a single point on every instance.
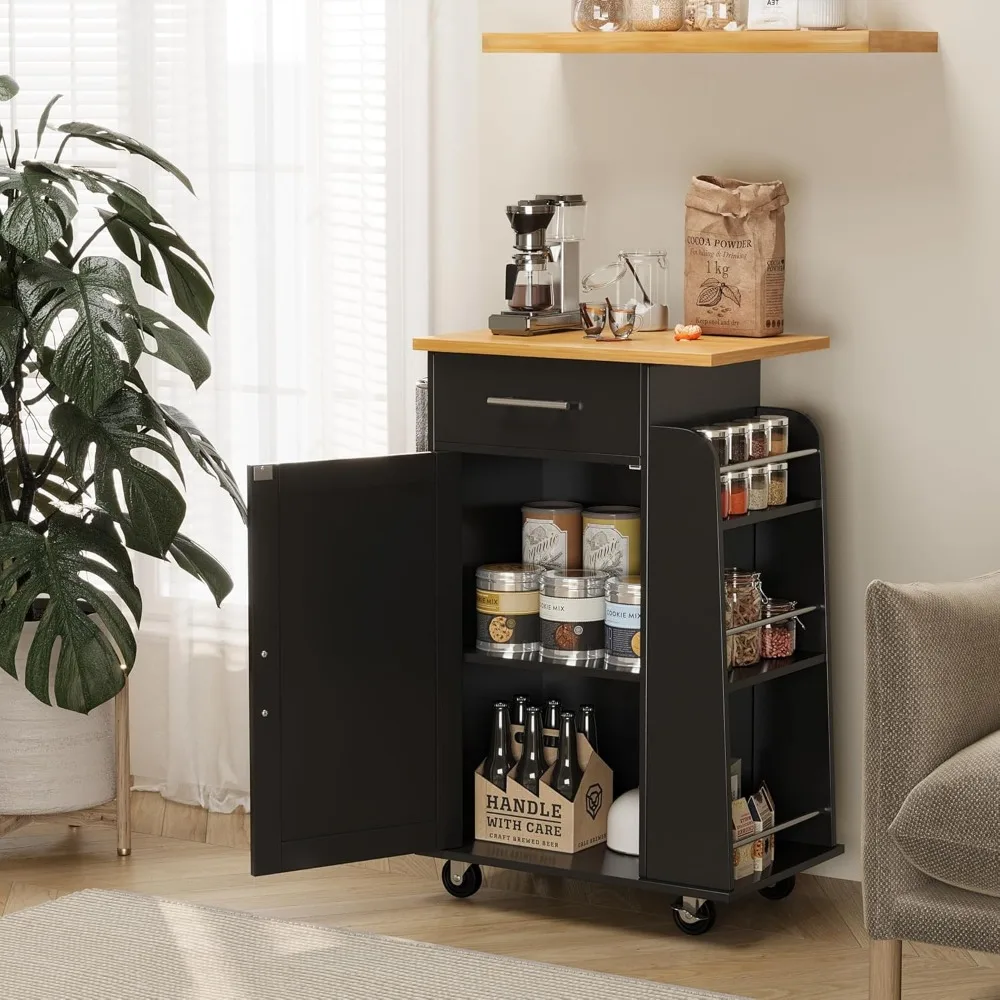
(98, 945)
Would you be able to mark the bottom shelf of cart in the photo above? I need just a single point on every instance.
(599, 864)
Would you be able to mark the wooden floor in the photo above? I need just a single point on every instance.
(810, 945)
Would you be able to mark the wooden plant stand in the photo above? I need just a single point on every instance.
(117, 811)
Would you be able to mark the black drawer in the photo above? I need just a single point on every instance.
(538, 405)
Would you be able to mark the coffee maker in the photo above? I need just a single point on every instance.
(547, 231)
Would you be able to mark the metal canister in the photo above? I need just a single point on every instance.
(623, 623)
(571, 608)
(507, 621)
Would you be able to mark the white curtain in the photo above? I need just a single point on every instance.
(301, 126)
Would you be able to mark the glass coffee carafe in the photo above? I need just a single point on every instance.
(529, 283)
(641, 279)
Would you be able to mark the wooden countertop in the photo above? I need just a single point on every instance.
(642, 349)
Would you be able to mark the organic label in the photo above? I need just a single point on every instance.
(544, 543)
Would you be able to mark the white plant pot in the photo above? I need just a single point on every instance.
(51, 760)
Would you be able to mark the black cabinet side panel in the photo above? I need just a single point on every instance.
(686, 820)
(688, 396)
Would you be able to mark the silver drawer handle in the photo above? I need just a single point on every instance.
(533, 404)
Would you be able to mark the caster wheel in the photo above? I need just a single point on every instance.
(472, 881)
(780, 890)
(696, 924)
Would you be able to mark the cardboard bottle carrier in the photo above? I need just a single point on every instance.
(547, 821)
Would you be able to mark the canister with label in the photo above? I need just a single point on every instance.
(551, 534)
(507, 622)
(571, 608)
(623, 623)
(612, 540)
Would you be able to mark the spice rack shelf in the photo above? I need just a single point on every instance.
(536, 662)
(771, 514)
(620, 434)
(771, 670)
(713, 42)
(758, 463)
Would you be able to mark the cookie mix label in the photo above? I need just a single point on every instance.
(572, 624)
(623, 636)
(504, 618)
(544, 543)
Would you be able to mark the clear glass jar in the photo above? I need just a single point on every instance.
(716, 437)
(758, 488)
(657, 15)
(602, 15)
(737, 443)
(745, 600)
(777, 484)
(777, 434)
(712, 15)
(757, 429)
(739, 494)
(724, 496)
(641, 278)
(778, 639)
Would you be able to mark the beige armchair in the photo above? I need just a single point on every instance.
(932, 771)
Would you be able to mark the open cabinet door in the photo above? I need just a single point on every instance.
(355, 691)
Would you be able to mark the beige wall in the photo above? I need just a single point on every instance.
(893, 168)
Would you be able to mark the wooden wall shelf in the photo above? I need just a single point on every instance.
(731, 42)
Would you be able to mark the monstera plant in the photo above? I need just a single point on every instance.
(78, 424)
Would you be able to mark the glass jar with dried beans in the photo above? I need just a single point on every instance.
(737, 443)
(745, 600)
(758, 488)
(778, 638)
(777, 484)
(739, 494)
(777, 434)
(757, 429)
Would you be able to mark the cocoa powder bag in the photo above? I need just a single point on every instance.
(734, 261)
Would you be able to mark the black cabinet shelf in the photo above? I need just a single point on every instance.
(536, 662)
(771, 670)
(771, 514)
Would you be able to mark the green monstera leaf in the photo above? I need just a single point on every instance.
(44, 206)
(202, 565)
(175, 346)
(59, 564)
(150, 505)
(11, 325)
(86, 365)
(8, 88)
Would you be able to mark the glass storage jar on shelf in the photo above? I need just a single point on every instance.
(724, 496)
(778, 639)
(757, 430)
(641, 279)
(602, 15)
(745, 599)
(716, 437)
(711, 15)
(738, 443)
(757, 488)
(777, 484)
(657, 15)
(777, 434)
(739, 493)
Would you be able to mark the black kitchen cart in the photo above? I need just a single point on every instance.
(369, 704)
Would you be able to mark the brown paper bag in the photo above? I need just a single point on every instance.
(734, 264)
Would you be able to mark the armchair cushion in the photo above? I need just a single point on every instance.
(949, 825)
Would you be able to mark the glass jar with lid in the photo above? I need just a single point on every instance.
(716, 437)
(757, 494)
(710, 15)
(777, 484)
(745, 600)
(657, 15)
(777, 433)
(641, 279)
(725, 500)
(757, 430)
(602, 15)
(739, 493)
(738, 442)
(778, 639)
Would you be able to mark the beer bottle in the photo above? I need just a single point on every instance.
(517, 725)
(531, 767)
(550, 733)
(500, 761)
(566, 778)
(588, 725)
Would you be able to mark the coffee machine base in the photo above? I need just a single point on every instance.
(526, 324)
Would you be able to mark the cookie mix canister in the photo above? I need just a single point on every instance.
(571, 608)
(507, 622)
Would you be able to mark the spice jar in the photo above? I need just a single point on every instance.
(657, 15)
(758, 486)
(739, 494)
(602, 15)
(777, 434)
(551, 534)
(737, 443)
(743, 596)
(724, 498)
(623, 623)
(757, 429)
(612, 540)
(507, 621)
(778, 638)
(777, 484)
(716, 437)
(571, 609)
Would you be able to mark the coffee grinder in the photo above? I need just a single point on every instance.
(547, 230)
